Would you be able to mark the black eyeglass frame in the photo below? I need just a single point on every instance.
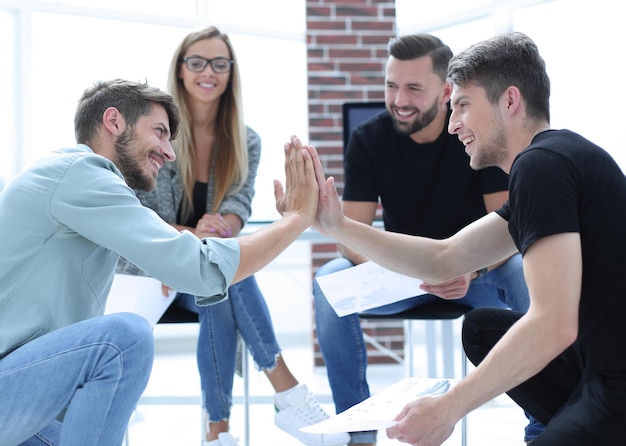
(185, 60)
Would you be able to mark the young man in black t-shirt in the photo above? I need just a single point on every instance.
(406, 159)
(563, 360)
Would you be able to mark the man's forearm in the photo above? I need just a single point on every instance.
(262, 246)
(405, 254)
(351, 254)
(525, 350)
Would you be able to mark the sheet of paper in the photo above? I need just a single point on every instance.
(137, 294)
(366, 286)
(378, 411)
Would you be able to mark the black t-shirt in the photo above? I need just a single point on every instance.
(564, 183)
(200, 191)
(424, 189)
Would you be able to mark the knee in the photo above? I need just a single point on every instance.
(338, 264)
(473, 319)
(470, 335)
(483, 328)
(132, 332)
(333, 266)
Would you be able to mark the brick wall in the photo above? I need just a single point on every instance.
(347, 49)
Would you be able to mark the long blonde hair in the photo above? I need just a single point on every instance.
(231, 152)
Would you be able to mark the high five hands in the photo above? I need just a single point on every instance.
(303, 166)
(303, 173)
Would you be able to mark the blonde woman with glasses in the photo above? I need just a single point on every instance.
(208, 191)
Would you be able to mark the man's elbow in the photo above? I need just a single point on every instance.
(566, 335)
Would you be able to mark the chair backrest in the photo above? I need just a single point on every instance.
(356, 112)
(177, 315)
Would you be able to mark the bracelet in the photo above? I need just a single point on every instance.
(481, 272)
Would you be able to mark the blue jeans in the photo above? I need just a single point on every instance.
(245, 311)
(93, 371)
(341, 338)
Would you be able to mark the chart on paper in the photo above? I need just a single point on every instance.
(378, 411)
(366, 286)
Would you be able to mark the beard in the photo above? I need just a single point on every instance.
(493, 152)
(421, 120)
(129, 164)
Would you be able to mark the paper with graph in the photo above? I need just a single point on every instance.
(378, 411)
(366, 286)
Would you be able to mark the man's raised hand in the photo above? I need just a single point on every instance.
(300, 195)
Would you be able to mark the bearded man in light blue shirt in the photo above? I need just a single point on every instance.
(64, 221)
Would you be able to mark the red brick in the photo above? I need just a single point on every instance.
(373, 39)
(326, 25)
(315, 53)
(389, 12)
(336, 39)
(326, 80)
(343, 95)
(354, 53)
(318, 135)
(316, 108)
(342, 10)
(375, 95)
(335, 109)
(375, 80)
(351, 67)
(318, 11)
(377, 25)
(336, 164)
(321, 122)
(381, 53)
(321, 66)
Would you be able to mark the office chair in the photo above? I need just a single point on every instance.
(445, 311)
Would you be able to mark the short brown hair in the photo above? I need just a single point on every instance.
(132, 99)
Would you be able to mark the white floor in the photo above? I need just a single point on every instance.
(286, 285)
(175, 377)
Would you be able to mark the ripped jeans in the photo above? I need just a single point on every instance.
(245, 311)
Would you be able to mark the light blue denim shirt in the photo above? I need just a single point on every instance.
(166, 197)
(64, 221)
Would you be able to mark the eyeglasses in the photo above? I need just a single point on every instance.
(197, 64)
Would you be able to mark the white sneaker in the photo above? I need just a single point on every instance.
(297, 409)
(223, 439)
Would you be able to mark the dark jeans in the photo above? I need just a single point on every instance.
(578, 405)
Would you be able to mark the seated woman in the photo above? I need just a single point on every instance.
(208, 190)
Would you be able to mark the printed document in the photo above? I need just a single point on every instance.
(366, 286)
(378, 411)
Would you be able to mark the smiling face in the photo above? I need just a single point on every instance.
(142, 150)
(205, 86)
(413, 93)
(479, 126)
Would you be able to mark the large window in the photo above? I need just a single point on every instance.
(582, 54)
(64, 46)
(53, 50)
(8, 111)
